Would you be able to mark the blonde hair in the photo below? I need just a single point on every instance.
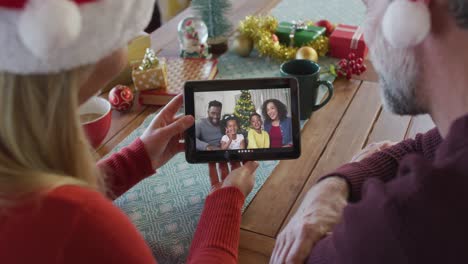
(42, 144)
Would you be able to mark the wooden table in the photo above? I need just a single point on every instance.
(351, 120)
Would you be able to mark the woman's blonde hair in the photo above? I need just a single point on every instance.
(42, 144)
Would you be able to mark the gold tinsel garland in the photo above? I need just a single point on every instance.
(261, 28)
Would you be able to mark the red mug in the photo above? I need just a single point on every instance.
(96, 116)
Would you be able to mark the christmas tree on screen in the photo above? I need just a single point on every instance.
(244, 108)
(213, 13)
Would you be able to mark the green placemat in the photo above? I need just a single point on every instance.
(166, 207)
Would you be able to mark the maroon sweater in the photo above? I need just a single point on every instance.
(413, 207)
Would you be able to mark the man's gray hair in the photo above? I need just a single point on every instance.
(459, 9)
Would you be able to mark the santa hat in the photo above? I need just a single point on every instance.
(406, 23)
(46, 36)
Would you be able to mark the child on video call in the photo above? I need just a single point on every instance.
(231, 140)
(257, 137)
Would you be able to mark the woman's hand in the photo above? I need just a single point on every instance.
(161, 138)
(241, 177)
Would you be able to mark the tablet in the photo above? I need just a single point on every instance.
(242, 120)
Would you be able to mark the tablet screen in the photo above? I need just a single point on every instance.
(243, 119)
(245, 122)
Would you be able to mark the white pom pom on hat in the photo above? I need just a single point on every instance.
(50, 36)
(406, 23)
(47, 26)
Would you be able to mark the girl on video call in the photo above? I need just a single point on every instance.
(231, 140)
(257, 137)
(277, 123)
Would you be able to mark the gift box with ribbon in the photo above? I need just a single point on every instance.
(347, 39)
(136, 52)
(151, 73)
(298, 34)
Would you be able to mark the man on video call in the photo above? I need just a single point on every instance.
(408, 202)
(208, 130)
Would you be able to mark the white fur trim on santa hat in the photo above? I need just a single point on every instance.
(106, 25)
(48, 26)
(406, 23)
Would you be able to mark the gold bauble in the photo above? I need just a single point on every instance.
(307, 53)
(242, 45)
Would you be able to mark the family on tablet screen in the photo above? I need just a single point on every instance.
(224, 133)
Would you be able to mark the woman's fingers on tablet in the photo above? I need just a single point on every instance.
(223, 167)
(214, 178)
(235, 165)
(223, 171)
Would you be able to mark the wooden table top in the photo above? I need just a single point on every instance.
(350, 121)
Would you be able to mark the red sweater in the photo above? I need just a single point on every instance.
(276, 138)
(71, 224)
(411, 209)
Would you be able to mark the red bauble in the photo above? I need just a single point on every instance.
(121, 98)
(327, 25)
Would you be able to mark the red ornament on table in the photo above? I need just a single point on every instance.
(327, 25)
(352, 65)
(121, 98)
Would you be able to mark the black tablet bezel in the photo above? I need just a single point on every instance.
(194, 156)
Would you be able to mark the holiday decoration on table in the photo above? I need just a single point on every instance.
(347, 67)
(151, 73)
(121, 98)
(136, 50)
(243, 109)
(275, 38)
(262, 30)
(193, 34)
(307, 53)
(298, 33)
(242, 45)
(214, 14)
(346, 39)
(327, 25)
(178, 72)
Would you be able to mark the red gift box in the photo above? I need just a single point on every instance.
(346, 39)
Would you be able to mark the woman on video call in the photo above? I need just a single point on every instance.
(55, 202)
(277, 123)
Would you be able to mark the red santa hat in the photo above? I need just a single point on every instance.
(407, 23)
(46, 36)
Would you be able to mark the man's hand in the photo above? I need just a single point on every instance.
(240, 177)
(370, 149)
(161, 138)
(318, 213)
(211, 148)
